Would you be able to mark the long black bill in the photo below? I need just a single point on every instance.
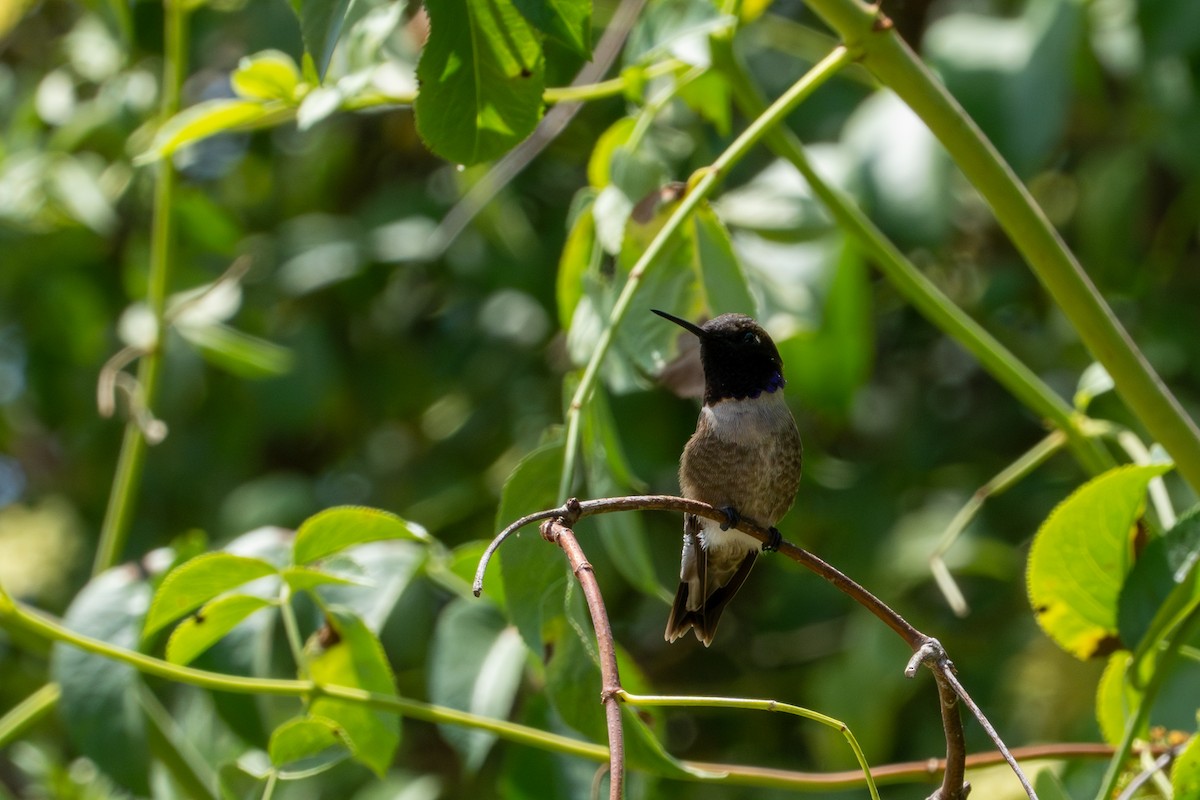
(683, 323)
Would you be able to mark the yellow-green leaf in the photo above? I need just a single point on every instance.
(355, 659)
(1185, 776)
(209, 625)
(304, 746)
(269, 75)
(1116, 699)
(195, 582)
(335, 529)
(1080, 558)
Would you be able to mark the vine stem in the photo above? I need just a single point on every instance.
(18, 616)
(705, 182)
(114, 530)
(685, 701)
(866, 29)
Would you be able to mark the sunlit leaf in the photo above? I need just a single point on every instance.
(1049, 787)
(568, 22)
(336, 529)
(481, 74)
(195, 583)
(320, 24)
(210, 118)
(1080, 557)
(475, 666)
(269, 75)
(307, 578)
(209, 625)
(579, 256)
(1116, 699)
(308, 745)
(1185, 774)
(355, 659)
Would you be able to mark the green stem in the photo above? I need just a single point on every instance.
(1137, 723)
(115, 530)
(1005, 367)
(27, 712)
(685, 701)
(696, 194)
(864, 28)
(292, 628)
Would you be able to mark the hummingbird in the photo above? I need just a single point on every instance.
(743, 459)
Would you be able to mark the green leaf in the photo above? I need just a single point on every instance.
(581, 255)
(609, 474)
(238, 353)
(568, 22)
(355, 660)
(196, 582)
(720, 269)
(534, 572)
(1080, 558)
(387, 570)
(304, 579)
(210, 118)
(305, 746)
(482, 74)
(335, 529)
(573, 682)
(476, 666)
(209, 625)
(599, 167)
(269, 75)
(1185, 775)
(1048, 786)
(710, 96)
(320, 25)
(1116, 699)
(1163, 583)
(99, 705)
(826, 366)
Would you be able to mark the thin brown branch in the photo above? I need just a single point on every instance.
(902, 772)
(927, 650)
(558, 531)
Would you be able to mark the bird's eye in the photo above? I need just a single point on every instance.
(750, 337)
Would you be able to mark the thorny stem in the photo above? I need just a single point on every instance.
(926, 649)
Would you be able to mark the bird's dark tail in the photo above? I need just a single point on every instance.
(703, 619)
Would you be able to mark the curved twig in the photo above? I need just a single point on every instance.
(927, 650)
(558, 531)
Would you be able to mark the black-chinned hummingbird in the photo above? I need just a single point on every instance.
(744, 459)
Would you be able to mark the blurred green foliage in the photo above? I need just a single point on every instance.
(361, 360)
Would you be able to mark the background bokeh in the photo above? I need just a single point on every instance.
(417, 381)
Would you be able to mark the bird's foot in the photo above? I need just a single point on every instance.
(774, 539)
(732, 517)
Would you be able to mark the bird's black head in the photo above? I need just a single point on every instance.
(740, 360)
